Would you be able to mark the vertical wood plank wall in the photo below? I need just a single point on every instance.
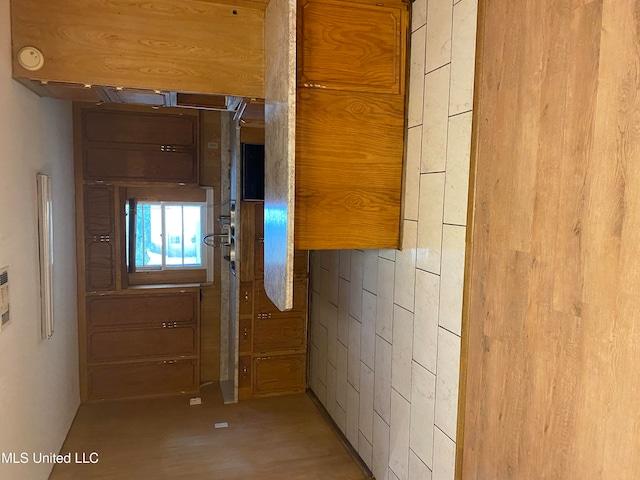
(552, 310)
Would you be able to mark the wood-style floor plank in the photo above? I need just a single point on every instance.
(166, 438)
(552, 304)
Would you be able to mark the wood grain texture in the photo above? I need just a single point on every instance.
(351, 46)
(349, 149)
(187, 46)
(551, 314)
(270, 439)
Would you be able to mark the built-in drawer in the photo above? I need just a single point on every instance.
(143, 379)
(244, 340)
(118, 345)
(278, 374)
(279, 332)
(138, 310)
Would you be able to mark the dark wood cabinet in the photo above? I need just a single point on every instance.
(272, 344)
(134, 341)
(134, 146)
(150, 333)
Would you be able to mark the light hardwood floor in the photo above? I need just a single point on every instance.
(166, 438)
(551, 333)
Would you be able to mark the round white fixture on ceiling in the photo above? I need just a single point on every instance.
(30, 58)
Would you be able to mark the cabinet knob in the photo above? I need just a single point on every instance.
(246, 334)
(246, 296)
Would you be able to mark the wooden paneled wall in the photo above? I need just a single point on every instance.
(180, 45)
(552, 310)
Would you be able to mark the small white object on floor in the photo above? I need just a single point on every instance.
(221, 425)
(195, 401)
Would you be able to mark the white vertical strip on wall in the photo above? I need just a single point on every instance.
(45, 239)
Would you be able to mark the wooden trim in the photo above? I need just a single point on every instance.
(167, 194)
(195, 275)
(80, 250)
(468, 264)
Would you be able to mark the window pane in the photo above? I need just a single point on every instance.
(192, 233)
(148, 235)
(173, 231)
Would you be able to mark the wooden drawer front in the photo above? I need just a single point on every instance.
(136, 127)
(279, 333)
(351, 47)
(141, 379)
(265, 305)
(142, 343)
(120, 310)
(246, 298)
(144, 164)
(244, 341)
(278, 375)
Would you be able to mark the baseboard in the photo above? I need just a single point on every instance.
(352, 451)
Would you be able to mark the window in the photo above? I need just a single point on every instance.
(163, 228)
(168, 235)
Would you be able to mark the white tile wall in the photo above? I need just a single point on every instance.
(380, 467)
(385, 324)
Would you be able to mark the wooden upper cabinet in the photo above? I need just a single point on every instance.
(140, 147)
(352, 46)
(141, 128)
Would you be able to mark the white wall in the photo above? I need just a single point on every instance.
(38, 379)
(385, 325)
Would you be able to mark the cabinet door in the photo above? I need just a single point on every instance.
(154, 310)
(161, 163)
(132, 344)
(141, 379)
(352, 46)
(111, 126)
(99, 237)
(278, 374)
(258, 263)
(361, 136)
(276, 331)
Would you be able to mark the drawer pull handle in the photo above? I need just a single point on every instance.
(169, 324)
(246, 296)
(246, 335)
